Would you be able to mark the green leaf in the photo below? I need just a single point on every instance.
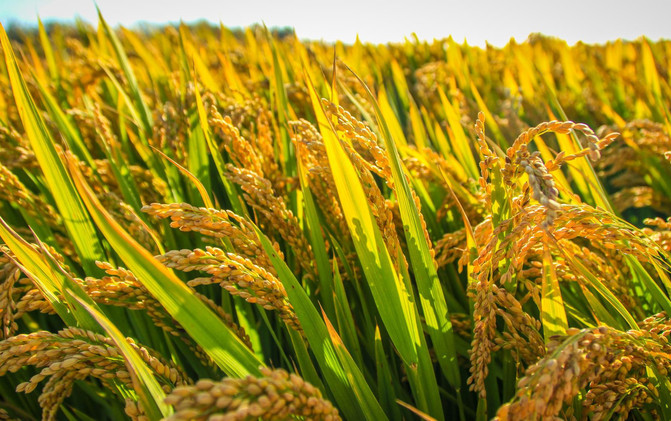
(391, 295)
(664, 388)
(149, 391)
(64, 125)
(393, 299)
(650, 285)
(460, 143)
(48, 51)
(342, 375)
(603, 291)
(282, 104)
(50, 279)
(318, 245)
(553, 314)
(122, 59)
(196, 182)
(431, 295)
(216, 339)
(198, 162)
(356, 379)
(236, 203)
(34, 265)
(385, 383)
(343, 312)
(308, 370)
(77, 221)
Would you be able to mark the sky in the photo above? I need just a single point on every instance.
(378, 21)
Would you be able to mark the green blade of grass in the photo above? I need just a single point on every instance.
(205, 197)
(76, 219)
(50, 279)
(149, 391)
(385, 383)
(307, 367)
(282, 104)
(216, 339)
(198, 161)
(650, 285)
(122, 59)
(36, 268)
(344, 317)
(64, 125)
(390, 118)
(584, 171)
(199, 65)
(48, 51)
(118, 164)
(603, 291)
(232, 194)
(431, 295)
(389, 292)
(142, 144)
(393, 298)
(599, 312)
(664, 387)
(317, 243)
(356, 379)
(460, 144)
(553, 314)
(339, 370)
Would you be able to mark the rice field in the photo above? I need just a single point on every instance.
(199, 223)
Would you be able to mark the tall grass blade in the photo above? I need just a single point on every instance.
(343, 380)
(75, 217)
(216, 339)
(150, 393)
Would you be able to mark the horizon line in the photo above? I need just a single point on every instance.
(412, 36)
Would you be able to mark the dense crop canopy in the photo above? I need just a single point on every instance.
(205, 224)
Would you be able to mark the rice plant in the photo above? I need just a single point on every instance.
(199, 223)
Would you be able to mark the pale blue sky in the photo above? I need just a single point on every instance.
(381, 21)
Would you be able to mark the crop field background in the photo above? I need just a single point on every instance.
(198, 223)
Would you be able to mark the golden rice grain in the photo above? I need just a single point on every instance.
(274, 396)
